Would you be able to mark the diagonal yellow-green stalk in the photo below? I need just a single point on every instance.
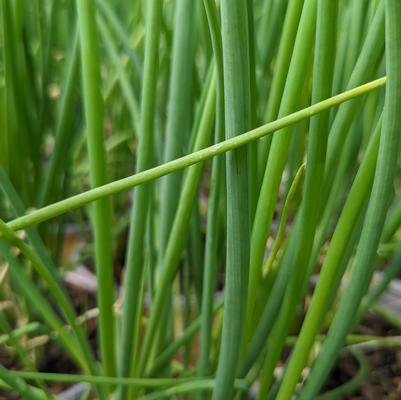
(79, 200)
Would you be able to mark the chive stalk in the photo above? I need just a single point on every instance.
(141, 198)
(79, 200)
(237, 103)
(213, 220)
(101, 212)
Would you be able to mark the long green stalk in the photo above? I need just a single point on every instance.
(101, 217)
(141, 198)
(253, 182)
(177, 135)
(213, 220)
(362, 269)
(12, 135)
(237, 103)
(179, 113)
(79, 200)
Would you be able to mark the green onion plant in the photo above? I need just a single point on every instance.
(213, 160)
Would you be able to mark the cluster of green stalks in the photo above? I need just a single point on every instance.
(213, 157)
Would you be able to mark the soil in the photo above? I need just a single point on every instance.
(384, 378)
